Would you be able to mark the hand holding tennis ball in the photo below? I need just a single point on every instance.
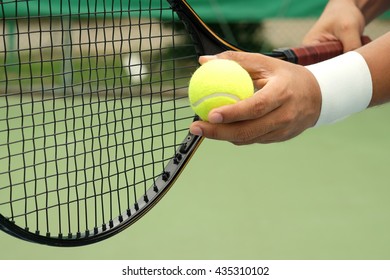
(216, 83)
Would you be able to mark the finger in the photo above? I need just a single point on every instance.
(275, 136)
(245, 132)
(277, 126)
(240, 132)
(261, 103)
(316, 39)
(205, 58)
(351, 41)
(255, 63)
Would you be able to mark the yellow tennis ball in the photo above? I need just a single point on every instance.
(216, 83)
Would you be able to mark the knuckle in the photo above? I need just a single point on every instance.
(244, 134)
(229, 54)
(286, 92)
(288, 118)
(257, 108)
(346, 25)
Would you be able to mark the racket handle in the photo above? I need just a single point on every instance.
(316, 53)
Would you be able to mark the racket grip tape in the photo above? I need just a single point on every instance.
(307, 55)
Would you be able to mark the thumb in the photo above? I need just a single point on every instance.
(205, 58)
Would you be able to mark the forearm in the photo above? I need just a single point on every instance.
(378, 61)
(351, 82)
(370, 8)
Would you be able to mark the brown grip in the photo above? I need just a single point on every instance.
(320, 52)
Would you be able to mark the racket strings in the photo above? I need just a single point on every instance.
(92, 108)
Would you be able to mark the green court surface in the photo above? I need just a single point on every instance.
(322, 195)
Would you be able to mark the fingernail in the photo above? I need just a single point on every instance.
(203, 59)
(215, 118)
(209, 56)
(196, 130)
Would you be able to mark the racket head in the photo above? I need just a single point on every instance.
(153, 195)
(90, 147)
(75, 205)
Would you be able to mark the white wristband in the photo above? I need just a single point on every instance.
(346, 86)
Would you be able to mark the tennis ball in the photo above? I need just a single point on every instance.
(216, 83)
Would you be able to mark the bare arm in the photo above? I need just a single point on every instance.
(289, 99)
(345, 20)
(378, 60)
(371, 8)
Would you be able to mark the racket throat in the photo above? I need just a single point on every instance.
(205, 40)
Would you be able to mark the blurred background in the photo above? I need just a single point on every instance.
(264, 25)
(322, 195)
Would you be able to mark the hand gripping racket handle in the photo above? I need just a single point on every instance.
(315, 53)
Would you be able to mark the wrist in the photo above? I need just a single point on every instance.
(346, 86)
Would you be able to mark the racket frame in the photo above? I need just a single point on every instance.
(161, 186)
(206, 42)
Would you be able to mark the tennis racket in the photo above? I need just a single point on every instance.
(94, 115)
